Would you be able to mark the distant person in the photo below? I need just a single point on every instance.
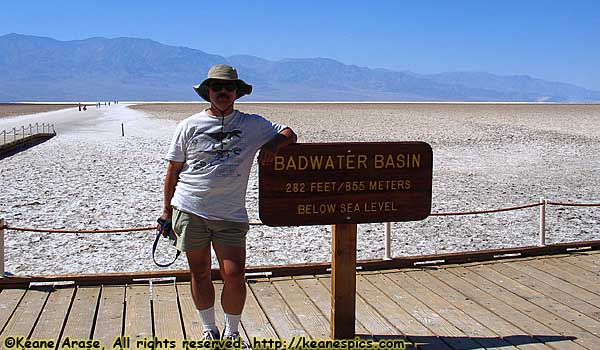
(210, 157)
(84, 108)
(80, 107)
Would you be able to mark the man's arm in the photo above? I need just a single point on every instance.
(269, 150)
(173, 170)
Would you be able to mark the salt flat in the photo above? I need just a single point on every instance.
(486, 156)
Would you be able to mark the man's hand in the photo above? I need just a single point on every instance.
(267, 153)
(164, 227)
(269, 150)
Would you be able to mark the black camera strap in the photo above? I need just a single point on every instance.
(159, 232)
(154, 252)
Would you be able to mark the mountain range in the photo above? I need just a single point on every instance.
(43, 69)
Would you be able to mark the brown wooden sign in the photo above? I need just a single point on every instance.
(346, 183)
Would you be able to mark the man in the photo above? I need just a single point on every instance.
(210, 157)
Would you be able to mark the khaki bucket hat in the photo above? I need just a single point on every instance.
(222, 72)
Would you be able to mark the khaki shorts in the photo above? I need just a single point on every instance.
(195, 232)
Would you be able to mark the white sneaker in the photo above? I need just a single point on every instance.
(210, 335)
(235, 336)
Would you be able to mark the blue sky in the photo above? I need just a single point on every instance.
(552, 40)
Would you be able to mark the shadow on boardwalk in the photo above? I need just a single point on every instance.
(12, 148)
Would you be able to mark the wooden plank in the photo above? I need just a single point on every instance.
(343, 281)
(25, 315)
(582, 263)
(549, 290)
(254, 321)
(498, 333)
(457, 315)
(54, 314)
(321, 297)
(460, 293)
(81, 316)
(568, 319)
(559, 283)
(138, 319)
(552, 269)
(313, 321)
(389, 309)
(167, 323)
(9, 299)
(109, 319)
(417, 331)
(592, 256)
(192, 325)
(449, 332)
(579, 276)
(579, 261)
(518, 311)
(366, 315)
(281, 317)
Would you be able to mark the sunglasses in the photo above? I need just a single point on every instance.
(229, 86)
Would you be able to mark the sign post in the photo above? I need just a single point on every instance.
(343, 281)
(345, 184)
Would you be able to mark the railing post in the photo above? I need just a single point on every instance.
(542, 222)
(22, 131)
(37, 128)
(388, 241)
(1, 248)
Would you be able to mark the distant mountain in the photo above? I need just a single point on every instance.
(43, 69)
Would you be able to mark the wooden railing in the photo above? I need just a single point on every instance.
(15, 134)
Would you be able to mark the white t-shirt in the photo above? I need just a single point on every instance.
(217, 153)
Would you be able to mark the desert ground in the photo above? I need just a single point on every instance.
(486, 156)
(14, 109)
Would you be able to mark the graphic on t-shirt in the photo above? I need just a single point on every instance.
(209, 149)
(225, 137)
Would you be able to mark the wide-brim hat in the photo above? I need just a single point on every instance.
(222, 72)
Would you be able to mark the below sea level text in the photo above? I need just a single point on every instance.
(346, 208)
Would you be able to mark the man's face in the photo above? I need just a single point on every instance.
(222, 92)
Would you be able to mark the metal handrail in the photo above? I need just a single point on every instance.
(13, 134)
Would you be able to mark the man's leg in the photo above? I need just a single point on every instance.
(203, 291)
(232, 265)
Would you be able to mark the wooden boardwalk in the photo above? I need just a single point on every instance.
(548, 302)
